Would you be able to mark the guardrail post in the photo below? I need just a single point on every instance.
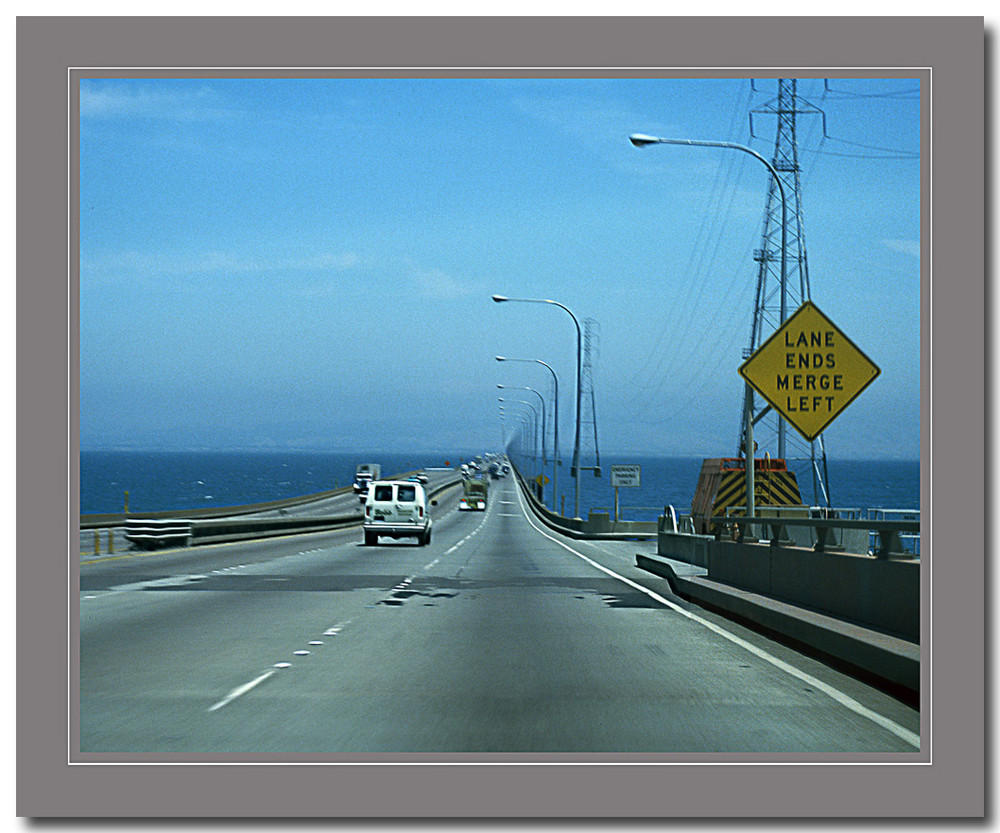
(889, 542)
(111, 540)
(97, 542)
(778, 536)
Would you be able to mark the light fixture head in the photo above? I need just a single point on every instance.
(641, 140)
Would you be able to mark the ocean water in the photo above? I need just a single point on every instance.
(160, 481)
(171, 480)
(854, 484)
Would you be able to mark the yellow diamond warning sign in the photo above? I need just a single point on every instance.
(809, 371)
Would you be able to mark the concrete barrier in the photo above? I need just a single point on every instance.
(597, 524)
(880, 593)
(892, 663)
(154, 533)
(120, 518)
(682, 546)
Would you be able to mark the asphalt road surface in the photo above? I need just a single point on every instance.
(499, 636)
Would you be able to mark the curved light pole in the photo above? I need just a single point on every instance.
(534, 422)
(575, 467)
(555, 425)
(542, 400)
(641, 140)
(518, 431)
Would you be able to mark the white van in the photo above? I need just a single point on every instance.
(397, 509)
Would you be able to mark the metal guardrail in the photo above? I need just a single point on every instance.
(101, 521)
(888, 532)
(155, 533)
(151, 533)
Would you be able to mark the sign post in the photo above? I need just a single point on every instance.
(628, 476)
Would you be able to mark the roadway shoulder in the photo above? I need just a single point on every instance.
(892, 661)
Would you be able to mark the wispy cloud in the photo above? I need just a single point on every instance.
(109, 100)
(435, 283)
(321, 274)
(907, 247)
(134, 265)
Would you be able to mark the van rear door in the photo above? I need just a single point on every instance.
(396, 503)
(408, 510)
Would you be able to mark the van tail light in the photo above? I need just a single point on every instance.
(421, 511)
(368, 511)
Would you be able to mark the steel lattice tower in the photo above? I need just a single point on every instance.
(776, 299)
(588, 410)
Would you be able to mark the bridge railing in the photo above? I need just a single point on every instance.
(173, 529)
(887, 534)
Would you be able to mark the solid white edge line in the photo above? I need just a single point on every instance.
(845, 700)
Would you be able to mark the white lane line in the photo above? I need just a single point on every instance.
(471, 534)
(845, 700)
(333, 631)
(243, 689)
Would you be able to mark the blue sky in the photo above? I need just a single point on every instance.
(308, 264)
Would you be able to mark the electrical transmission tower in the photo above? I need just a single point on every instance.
(588, 410)
(778, 297)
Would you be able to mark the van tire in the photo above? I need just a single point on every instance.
(371, 539)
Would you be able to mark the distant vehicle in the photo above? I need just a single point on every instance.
(474, 493)
(397, 509)
(364, 474)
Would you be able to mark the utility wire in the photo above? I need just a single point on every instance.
(682, 303)
(908, 95)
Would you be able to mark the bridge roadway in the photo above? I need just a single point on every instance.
(499, 636)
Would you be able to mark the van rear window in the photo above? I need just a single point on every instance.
(407, 494)
(383, 493)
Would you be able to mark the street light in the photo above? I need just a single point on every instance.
(542, 400)
(575, 467)
(555, 425)
(534, 420)
(641, 140)
(518, 422)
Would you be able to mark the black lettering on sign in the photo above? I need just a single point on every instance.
(808, 404)
(813, 338)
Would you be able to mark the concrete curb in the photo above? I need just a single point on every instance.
(890, 662)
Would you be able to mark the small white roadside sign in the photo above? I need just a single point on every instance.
(626, 476)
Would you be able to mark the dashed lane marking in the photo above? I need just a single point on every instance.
(473, 533)
(241, 690)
